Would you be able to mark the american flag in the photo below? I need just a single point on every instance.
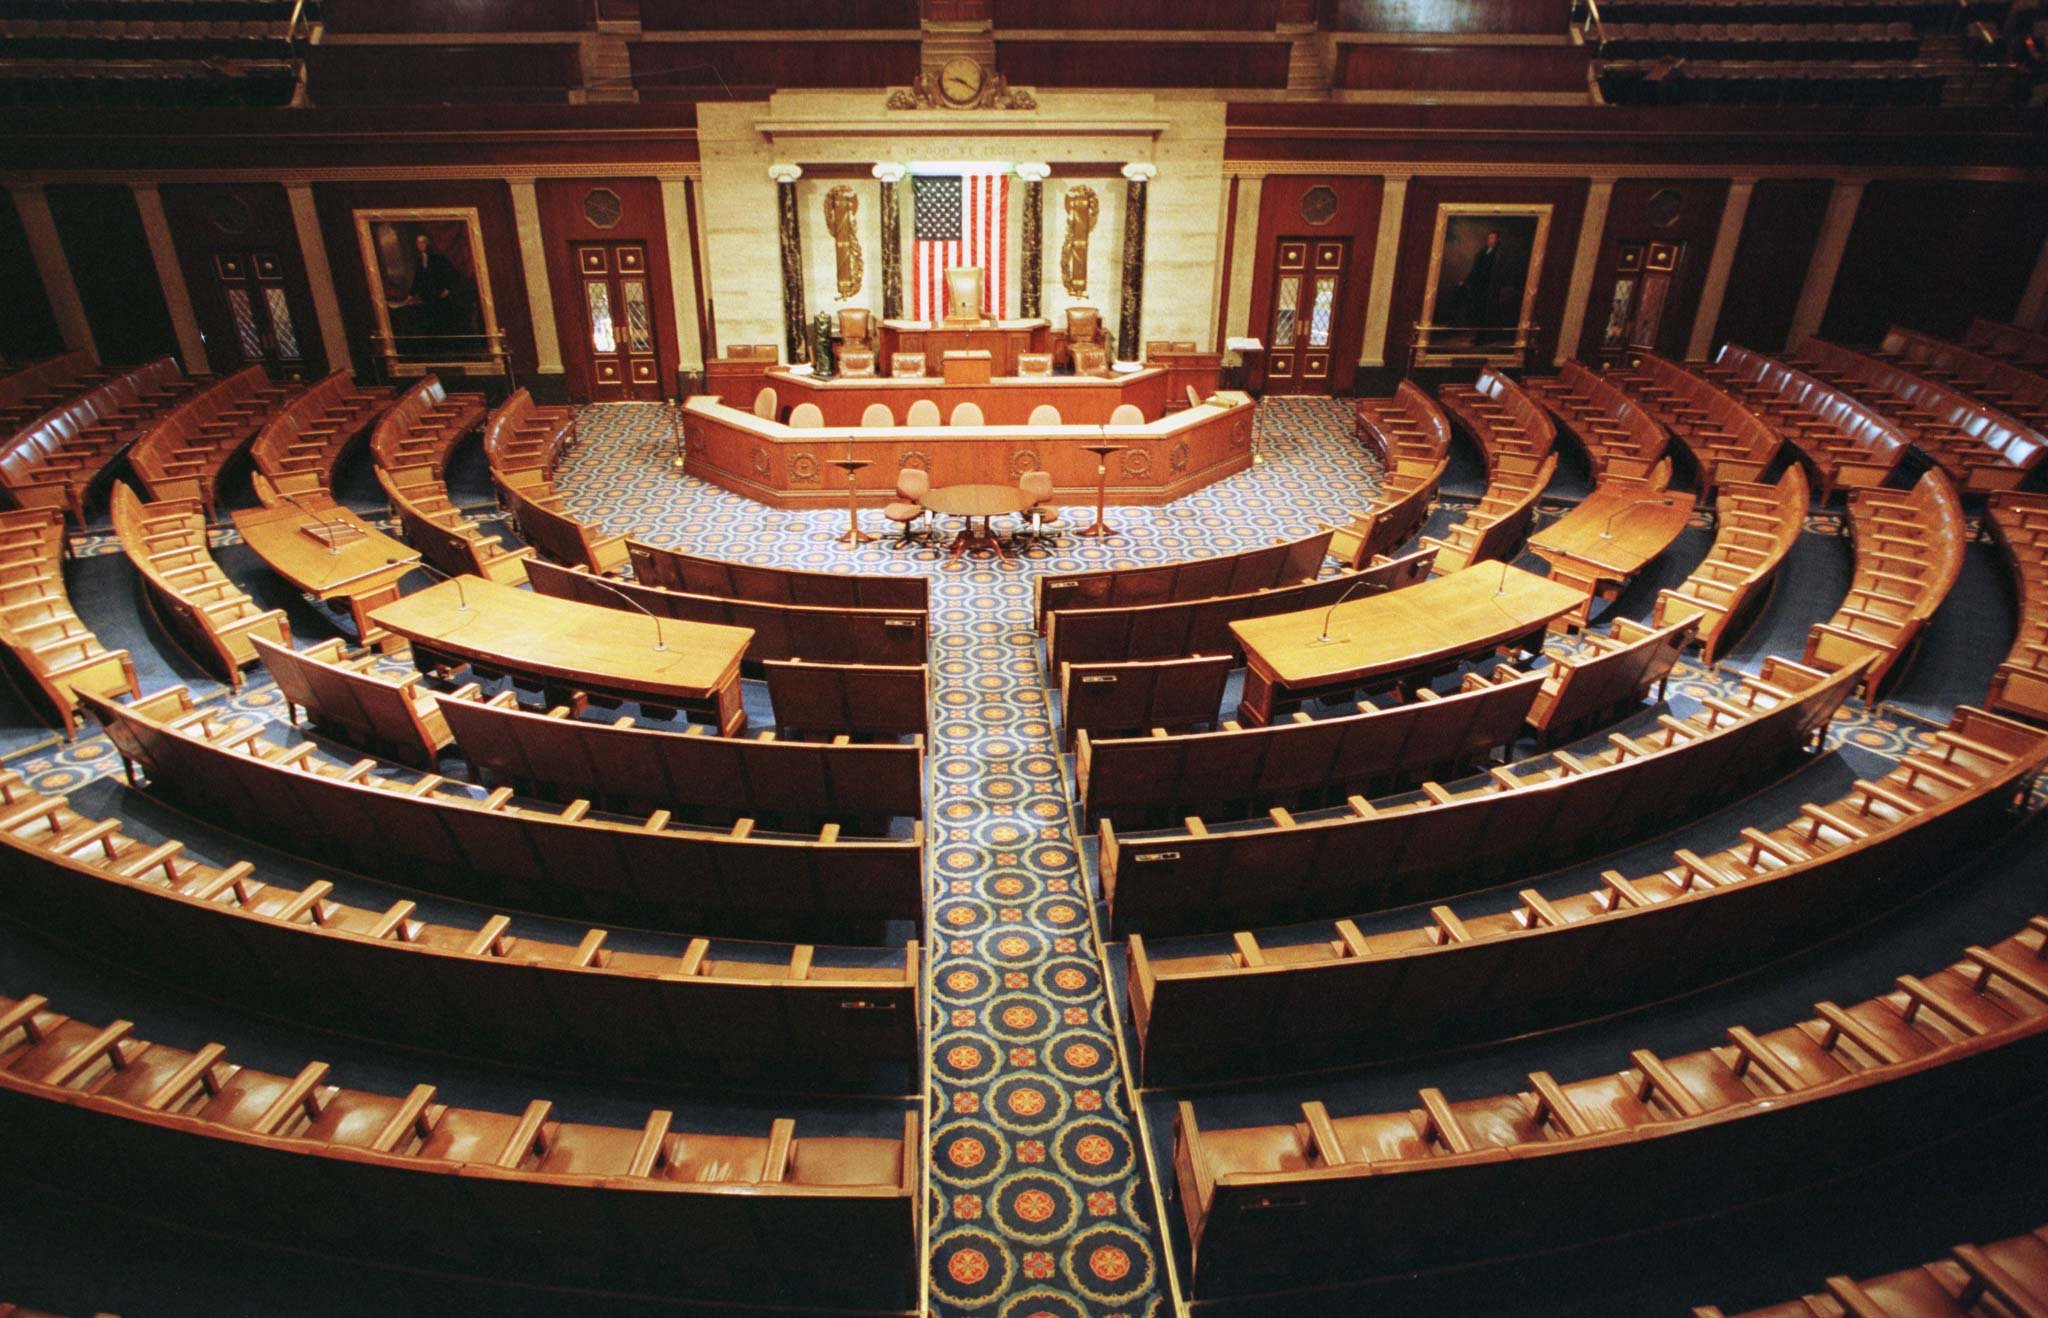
(959, 221)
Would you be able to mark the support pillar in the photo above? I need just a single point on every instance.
(892, 241)
(40, 227)
(163, 254)
(1827, 262)
(533, 263)
(1032, 239)
(1131, 309)
(1592, 229)
(794, 338)
(319, 276)
(682, 275)
(1386, 251)
(1701, 345)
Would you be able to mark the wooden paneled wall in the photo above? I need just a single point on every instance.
(1778, 235)
(1424, 67)
(29, 327)
(641, 219)
(1447, 15)
(1629, 221)
(445, 16)
(444, 74)
(698, 70)
(656, 15)
(207, 219)
(1184, 15)
(1143, 63)
(116, 276)
(1358, 218)
(1932, 254)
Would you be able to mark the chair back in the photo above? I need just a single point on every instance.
(1126, 414)
(966, 414)
(856, 363)
(1045, 414)
(1183, 345)
(963, 293)
(1084, 324)
(923, 412)
(907, 365)
(1090, 359)
(808, 416)
(1194, 398)
(877, 416)
(913, 483)
(1034, 363)
(1158, 347)
(1037, 484)
(853, 326)
(766, 402)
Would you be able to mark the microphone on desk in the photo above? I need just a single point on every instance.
(333, 545)
(660, 645)
(1326, 638)
(1607, 532)
(461, 595)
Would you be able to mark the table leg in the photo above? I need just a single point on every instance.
(854, 535)
(732, 708)
(1100, 528)
(1256, 708)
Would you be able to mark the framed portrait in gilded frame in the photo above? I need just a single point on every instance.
(1485, 267)
(430, 285)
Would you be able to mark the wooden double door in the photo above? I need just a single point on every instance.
(1308, 291)
(618, 322)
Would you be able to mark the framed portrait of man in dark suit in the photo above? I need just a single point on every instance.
(430, 290)
(1485, 265)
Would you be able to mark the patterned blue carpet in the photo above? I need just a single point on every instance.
(1039, 1196)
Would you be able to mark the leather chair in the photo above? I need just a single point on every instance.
(1034, 363)
(1194, 398)
(966, 414)
(1124, 414)
(1041, 517)
(964, 295)
(1084, 325)
(923, 412)
(806, 416)
(1090, 359)
(1045, 414)
(877, 416)
(1157, 348)
(767, 403)
(856, 364)
(855, 328)
(907, 509)
(907, 366)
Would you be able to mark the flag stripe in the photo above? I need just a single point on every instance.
(960, 222)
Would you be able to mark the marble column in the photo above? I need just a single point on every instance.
(794, 336)
(1386, 251)
(1827, 262)
(1131, 308)
(892, 241)
(319, 275)
(682, 275)
(40, 228)
(533, 263)
(1701, 345)
(163, 255)
(1592, 229)
(1032, 238)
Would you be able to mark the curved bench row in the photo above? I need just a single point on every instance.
(183, 452)
(296, 451)
(1412, 439)
(1517, 439)
(1527, 817)
(1909, 551)
(520, 436)
(537, 512)
(424, 425)
(1619, 437)
(212, 617)
(1264, 568)
(694, 574)
(432, 524)
(2018, 393)
(1980, 447)
(2027, 349)
(38, 386)
(1728, 442)
(57, 459)
(1312, 1203)
(1756, 526)
(1845, 443)
(563, 862)
(113, 1118)
(1459, 978)
(2011, 1274)
(58, 654)
(1500, 416)
(2019, 522)
(746, 1015)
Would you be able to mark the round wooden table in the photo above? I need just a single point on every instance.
(977, 501)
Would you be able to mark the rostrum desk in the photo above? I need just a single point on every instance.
(1382, 640)
(1002, 340)
(565, 644)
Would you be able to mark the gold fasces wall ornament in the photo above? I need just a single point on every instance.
(1083, 208)
(842, 203)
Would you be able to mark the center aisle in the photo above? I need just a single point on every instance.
(1039, 1202)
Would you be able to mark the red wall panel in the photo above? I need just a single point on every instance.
(759, 14)
(442, 74)
(29, 327)
(713, 70)
(1628, 220)
(1431, 68)
(1358, 218)
(1932, 254)
(1778, 235)
(1215, 15)
(641, 219)
(1143, 63)
(115, 274)
(456, 15)
(207, 218)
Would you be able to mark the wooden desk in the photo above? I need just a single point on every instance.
(1001, 339)
(1005, 401)
(972, 501)
(1597, 547)
(574, 646)
(1383, 640)
(361, 573)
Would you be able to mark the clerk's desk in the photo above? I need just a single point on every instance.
(1599, 546)
(582, 647)
(1002, 340)
(329, 554)
(1379, 641)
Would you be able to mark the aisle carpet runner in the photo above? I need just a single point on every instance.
(1040, 1203)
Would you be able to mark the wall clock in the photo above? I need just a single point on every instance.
(961, 81)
